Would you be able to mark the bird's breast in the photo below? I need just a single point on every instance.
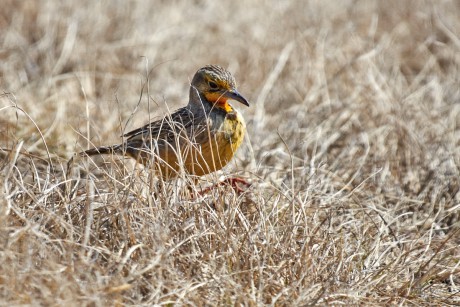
(232, 130)
(225, 135)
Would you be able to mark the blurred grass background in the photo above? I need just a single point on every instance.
(353, 149)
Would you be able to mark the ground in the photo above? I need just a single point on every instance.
(352, 152)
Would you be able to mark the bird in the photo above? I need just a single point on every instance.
(199, 138)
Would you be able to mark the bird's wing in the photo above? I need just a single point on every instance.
(169, 127)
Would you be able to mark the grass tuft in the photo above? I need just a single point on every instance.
(352, 152)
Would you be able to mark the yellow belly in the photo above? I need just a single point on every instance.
(210, 156)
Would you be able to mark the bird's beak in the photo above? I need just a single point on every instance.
(234, 95)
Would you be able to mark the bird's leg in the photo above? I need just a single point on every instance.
(234, 182)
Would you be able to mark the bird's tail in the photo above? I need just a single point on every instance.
(103, 150)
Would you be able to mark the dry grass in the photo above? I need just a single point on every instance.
(353, 150)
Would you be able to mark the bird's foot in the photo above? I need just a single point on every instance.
(238, 184)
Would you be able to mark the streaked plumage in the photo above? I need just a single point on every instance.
(201, 137)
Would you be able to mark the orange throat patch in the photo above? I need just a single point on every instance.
(219, 101)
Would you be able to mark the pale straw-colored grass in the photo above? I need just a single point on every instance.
(353, 152)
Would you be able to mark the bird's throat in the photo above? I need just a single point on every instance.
(218, 101)
(224, 105)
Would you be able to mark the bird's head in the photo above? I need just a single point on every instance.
(216, 85)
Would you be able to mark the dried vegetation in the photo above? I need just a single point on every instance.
(353, 152)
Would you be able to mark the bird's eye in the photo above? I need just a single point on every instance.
(213, 85)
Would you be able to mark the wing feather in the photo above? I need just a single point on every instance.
(183, 122)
